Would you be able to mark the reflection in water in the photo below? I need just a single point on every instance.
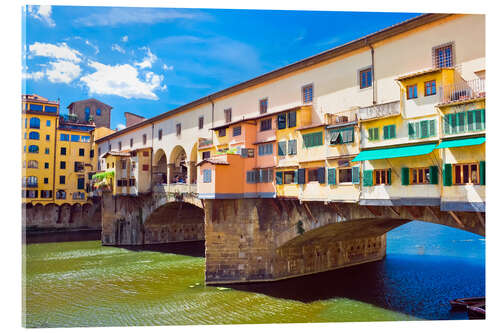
(82, 283)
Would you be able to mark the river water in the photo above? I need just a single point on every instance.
(70, 283)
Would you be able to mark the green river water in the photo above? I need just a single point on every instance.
(82, 283)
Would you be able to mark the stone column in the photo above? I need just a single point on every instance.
(170, 166)
(191, 175)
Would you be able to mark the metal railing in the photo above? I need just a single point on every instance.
(463, 91)
(380, 110)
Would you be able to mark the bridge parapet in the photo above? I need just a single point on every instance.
(176, 188)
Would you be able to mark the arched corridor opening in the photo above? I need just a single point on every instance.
(178, 166)
(160, 167)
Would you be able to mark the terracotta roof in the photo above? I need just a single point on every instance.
(264, 141)
(310, 126)
(419, 73)
(213, 161)
(116, 153)
(357, 44)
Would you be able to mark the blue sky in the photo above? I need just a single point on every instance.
(151, 60)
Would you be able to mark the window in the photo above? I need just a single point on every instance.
(313, 139)
(145, 167)
(32, 194)
(30, 181)
(62, 180)
(46, 165)
(289, 177)
(34, 136)
(205, 155)
(420, 176)
(124, 164)
(33, 149)
(307, 93)
(430, 88)
(32, 164)
(47, 123)
(62, 165)
(63, 150)
(79, 167)
(252, 176)
(85, 138)
(61, 194)
(237, 131)
(145, 153)
(282, 121)
(81, 152)
(207, 176)
(80, 183)
(454, 123)
(36, 107)
(64, 137)
(47, 151)
(34, 122)
(98, 112)
(25, 122)
(466, 173)
(131, 182)
(282, 148)
(247, 152)
(292, 118)
(222, 132)
(75, 138)
(265, 124)
(178, 129)
(263, 106)
(78, 196)
(266, 149)
(292, 147)
(443, 56)
(341, 135)
(411, 92)
(422, 129)
(91, 153)
(345, 175)
(265, 175)
(382, 176)
(365, 78)
(51, 109)
(47, 137)
(200, 122)
(227, 115)
(45, 194)
(389, 132)
(144, 138)
(316, 175)
(373, 134)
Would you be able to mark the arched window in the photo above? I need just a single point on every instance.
(61, 194)
(33, 149)
(30, 181)
(34, 122)
(32, 164)
(34, 136)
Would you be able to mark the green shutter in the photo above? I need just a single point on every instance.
(355, 175)
(411, 130)
(393, 131)
(446, 124)
(375, 133)
(282, 148)
(331, 176)
(482, 173)
(453, 123)
(370, 134)
(321, 175)
(433, 173)
(296, 177)
(301, 176)
(424, 129)
(470, 120)
(405, 176)
(480, 124)
(461, 122)
(447, 176)
(386, 132)
(279, 178)
(389, 176)
(432, 127)
(368, 178)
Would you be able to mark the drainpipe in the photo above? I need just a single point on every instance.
(54, 160)
(373, 74)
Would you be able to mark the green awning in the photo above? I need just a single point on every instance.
(462, 142)
(379, 154)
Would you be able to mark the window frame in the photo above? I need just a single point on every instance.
(368, 80)
(381, 177)
(228, 115)
(461, 166)
(420, 171)
(413, 88)
(305, 98)
(267, 122)
(263, 110)
(340, 170)
(432, 87)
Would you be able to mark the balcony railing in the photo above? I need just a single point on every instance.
(463, 91)
(341, 117)
(176, 188)
(380, 110)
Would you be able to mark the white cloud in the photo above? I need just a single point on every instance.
(118, 48)
(148, 60)
(125, 39)
(120, 126)
(42, 13)
(60, 71)
(167, 68)
(96, 49)
(122, 80)
(119, 16)
(60, 51)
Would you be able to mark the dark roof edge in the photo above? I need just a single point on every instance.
(320, 57)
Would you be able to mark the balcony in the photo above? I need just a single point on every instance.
(344, 117)
(380, 111)
(202, 142)
(462, 91)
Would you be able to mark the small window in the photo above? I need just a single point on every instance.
(80, 184)
(36, 107)
(237, 131)
(200, 122)
(266, 124)
(227, 115)
(62, 180)
(145, 167)
(312, 175)
(292, 118)
(373, 134)
(345, 175)
(35, 122)
(443, 56)
(87, 113)
(47, 123)
(119, 145)
(47, 137)
(131, 145)
(207, 176)
(64, 137)
(430, 88)
(47, 151)
(382, 176)
(282, 148)
(32, 164)
(389, 132)
(33, 149)
(313, 139)
(75, 138)
(420, 176)
(62, 165)
(466, 173)
(46, 165)
(205, 155)
(160, 134)
(263, 106)
(34, 136)
(178, 129)
(266, 149)
(222, 132)
(292, 147)
(365, 78)
(144, 138)
(289, 177)
(282, 121)
(411, 92)
(307, 93)
(81, 152)
(63, 150)
(124, 164)
(51, 109)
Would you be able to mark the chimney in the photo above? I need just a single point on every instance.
(132, 119)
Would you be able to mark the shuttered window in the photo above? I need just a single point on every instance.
(313, 139)
(292, 147)
(282, 121)
(382, 176)
(282, 148)
(279, 178)
(368, 178)
(252, 176)
(389, 132)
(207, 176)
(405, 176)
(447, 175)
(331, 176)
(292, 118)
(342, 135)
(301, 176)
(467, 121)
(321, 175)
(237, 131)
(373, 134)
(355, 175)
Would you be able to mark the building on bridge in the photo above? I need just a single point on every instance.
(382, 130)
